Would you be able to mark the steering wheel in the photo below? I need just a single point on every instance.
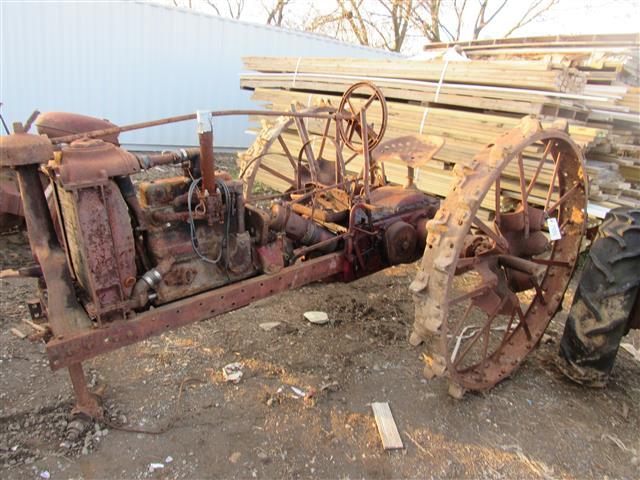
(376, 118)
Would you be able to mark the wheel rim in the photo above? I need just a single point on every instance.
(490, 295)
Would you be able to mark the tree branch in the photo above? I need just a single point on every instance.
(531, 13)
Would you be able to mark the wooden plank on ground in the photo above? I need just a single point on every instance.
(386, 426)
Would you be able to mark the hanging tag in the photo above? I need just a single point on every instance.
(554, 229)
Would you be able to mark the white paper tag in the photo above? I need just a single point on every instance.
(554, 229)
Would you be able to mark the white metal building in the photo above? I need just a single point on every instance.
(134, 61)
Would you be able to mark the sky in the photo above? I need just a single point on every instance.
(568, 17)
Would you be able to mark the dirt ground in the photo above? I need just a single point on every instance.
(534, 425)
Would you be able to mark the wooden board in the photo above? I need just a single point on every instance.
(386, 426)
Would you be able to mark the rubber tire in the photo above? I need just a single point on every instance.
(604, 299)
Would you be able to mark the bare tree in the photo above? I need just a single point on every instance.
(400, 12)
(352, 12)
(426, 17)
(275, 12)
(481, 20)
(235, 8)
(389, 24)
(536, 10)
(214, 6)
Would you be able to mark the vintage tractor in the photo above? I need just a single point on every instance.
(119, 263)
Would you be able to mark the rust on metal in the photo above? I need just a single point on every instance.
(122, 262)
(71, 349)
(517, 258)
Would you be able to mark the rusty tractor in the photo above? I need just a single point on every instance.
(118, 263)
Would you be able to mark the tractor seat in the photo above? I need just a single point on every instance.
(412, 150)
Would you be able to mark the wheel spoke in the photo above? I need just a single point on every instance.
(486, 329)
(369, 102)
(562, 199)
(277, 174)
(352, 108)
(524, 196)
(496, 219)
(286, 150)
(473, 293)
(540, 165)
(556, 166)
(488, 231)
(324, 138)
(506, 332)
(459, 325)
(467, 347)
(522, 322)
(539, 292)
(354, 129)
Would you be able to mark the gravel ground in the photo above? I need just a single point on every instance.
(534, 425)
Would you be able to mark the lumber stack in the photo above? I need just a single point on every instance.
(611, 64)
(538, 76)
(469, 103)
(605, 59)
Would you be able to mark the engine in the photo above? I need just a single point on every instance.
(130, 246)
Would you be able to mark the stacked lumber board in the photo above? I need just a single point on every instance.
(468, 103)
(605, 59)
(484, 97)
(537, 76)
(611, 64)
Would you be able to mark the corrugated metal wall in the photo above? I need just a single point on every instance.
(132, 61)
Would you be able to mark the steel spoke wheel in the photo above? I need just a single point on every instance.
(270, 143)
(362, 97)
(489, 285)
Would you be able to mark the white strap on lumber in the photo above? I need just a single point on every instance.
(295, 73)
(436, 97)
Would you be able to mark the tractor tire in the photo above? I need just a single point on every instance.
(603, 306)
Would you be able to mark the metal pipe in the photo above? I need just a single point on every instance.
(150, 279)
(192, 116)
(207, 160)
(151, 160)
